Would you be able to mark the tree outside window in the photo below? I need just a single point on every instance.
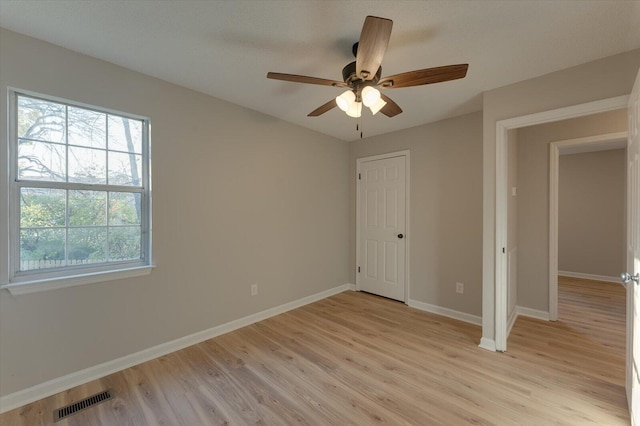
(80, 186)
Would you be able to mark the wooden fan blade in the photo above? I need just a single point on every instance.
(425, 76)
(304, 79)
(374, 39)
(391, 109)
(322, 109)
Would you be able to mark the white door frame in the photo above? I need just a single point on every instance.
(359, 161)
(502, 128)
(554, 158)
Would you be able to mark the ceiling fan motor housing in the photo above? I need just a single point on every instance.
(349, 75)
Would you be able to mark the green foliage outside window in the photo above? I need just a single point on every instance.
(83, 152)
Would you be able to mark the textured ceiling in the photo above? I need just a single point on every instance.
(226, 48)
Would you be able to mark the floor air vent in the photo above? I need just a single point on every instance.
(69, 410)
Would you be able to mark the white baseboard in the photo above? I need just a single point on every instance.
(51, 387)
(513, 316)
(532, 313)
(462, 316)
(487, 344)
(590, 277)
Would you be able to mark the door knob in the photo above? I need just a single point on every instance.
(400, 236)
(626, 277)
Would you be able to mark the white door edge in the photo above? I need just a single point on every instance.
(359, 161)
(632, 382)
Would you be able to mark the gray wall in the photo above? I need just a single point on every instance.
(533, 197)
(238, 197)
(591, 213)
(601, 79)
(446, 208)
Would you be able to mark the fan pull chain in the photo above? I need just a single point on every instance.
(359, 126)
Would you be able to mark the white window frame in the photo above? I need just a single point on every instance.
(22, 282)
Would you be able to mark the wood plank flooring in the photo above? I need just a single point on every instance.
(359, 359)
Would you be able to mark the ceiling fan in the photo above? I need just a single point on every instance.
(363, 76)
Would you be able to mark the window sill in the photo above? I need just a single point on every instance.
(34, 286)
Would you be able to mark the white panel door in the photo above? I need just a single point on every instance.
(381, 225)
(633, 255)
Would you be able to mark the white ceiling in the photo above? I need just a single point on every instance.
(226, 48)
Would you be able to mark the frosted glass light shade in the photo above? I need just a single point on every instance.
(375, 108)
(370, 96)
(346, 100)
(355, 111)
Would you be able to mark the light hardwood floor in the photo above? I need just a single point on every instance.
(359, 359)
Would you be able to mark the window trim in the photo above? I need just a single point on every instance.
(43, 284)
(23, 282)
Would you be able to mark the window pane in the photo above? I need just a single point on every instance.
(41, 248)
(41, 207)
(124, 208)
(125, 134)
(41, 161)
(87, 245)
(87, 165)
(87, 128)
(125, 169)
(41, 120)
(87, 208)
(124, 243)
(87, 201)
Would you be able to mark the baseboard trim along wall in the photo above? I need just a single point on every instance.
(487, 344)
(525, 312)
(513, 316)
(446, 312)
(51, 387)
(590, 277)
(532, 313)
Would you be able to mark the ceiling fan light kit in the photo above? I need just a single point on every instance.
(375, 108)
(355, 110)
(370, 95)
(363, 83)
(345, 100)
(351, 103)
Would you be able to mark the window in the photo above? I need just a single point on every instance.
(79, 193)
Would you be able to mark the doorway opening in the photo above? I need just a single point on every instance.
(611, 141)
(591, 313)
(503, 127)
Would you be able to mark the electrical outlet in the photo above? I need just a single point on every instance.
(254, 289)
(459, 288)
